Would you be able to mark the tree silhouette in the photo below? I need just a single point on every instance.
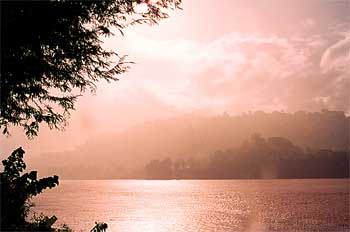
(16, 191)
(257, 158)
(51, 52)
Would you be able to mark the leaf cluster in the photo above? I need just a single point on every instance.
(17, 190)
(99, 227)
(51, 52)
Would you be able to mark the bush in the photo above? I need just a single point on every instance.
(17, 190)
(16, 193)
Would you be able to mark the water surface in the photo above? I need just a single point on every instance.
(201, 205)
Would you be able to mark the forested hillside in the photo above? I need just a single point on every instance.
(193, 136)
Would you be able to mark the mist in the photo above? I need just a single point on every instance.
(209, 60)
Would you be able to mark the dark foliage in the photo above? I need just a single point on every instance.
(99, 227)
(16, 192)
(51, 52)
(258, 158)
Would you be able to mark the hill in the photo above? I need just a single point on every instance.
(191, 136)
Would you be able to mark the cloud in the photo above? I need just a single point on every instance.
(308, 24)
(243, 71)
(337, 56)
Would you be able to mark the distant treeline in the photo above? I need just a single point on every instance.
(196, 143)
(258, 158)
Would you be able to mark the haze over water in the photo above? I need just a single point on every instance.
(201, 205)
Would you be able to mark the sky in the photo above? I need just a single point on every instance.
(214, 57)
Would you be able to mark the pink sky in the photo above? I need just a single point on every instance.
(215, 57)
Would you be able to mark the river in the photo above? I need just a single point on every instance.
(200, 205)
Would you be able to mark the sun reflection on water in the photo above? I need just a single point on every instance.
(192, 205)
